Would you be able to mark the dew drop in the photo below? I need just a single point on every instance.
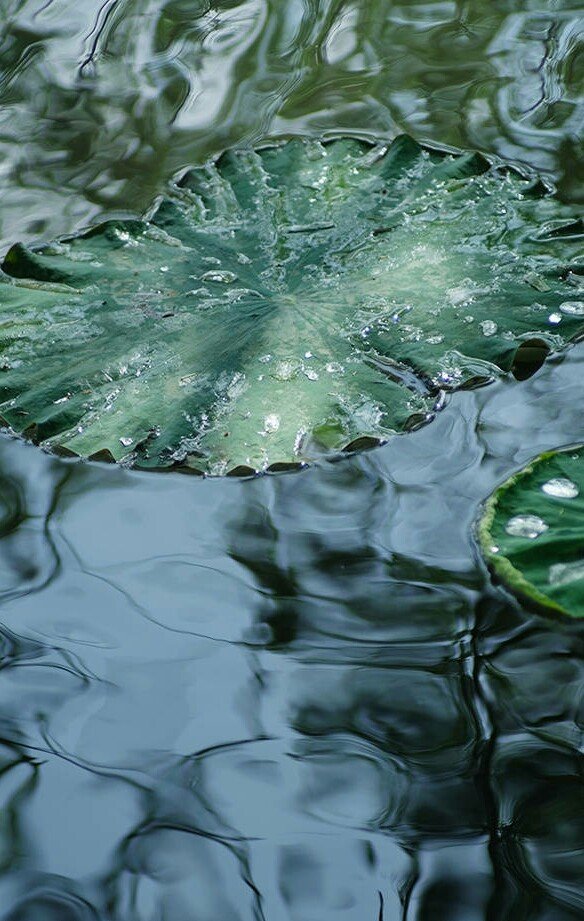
(560, 488)
(285, 371)
(566, 573)
(489, 327)
(573, 308)
(223, 277)
(530, 526)
(271, 424)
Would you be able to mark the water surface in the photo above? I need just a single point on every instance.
(102, 101)
(298, 696)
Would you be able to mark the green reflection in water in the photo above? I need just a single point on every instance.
(100, 103)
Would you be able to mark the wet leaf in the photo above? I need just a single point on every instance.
(282, 303)
(532, 532)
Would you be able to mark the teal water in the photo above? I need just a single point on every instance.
(297, 696)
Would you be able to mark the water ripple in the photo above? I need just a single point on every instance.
(300, 696)
(102, 102)
(368, 724)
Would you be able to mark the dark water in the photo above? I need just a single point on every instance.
(297, 697)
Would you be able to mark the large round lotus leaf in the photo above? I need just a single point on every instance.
(532, 532)
(283, 302)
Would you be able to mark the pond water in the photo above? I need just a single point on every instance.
(297, 696)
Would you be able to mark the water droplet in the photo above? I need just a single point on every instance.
(122, 235)
(530, 526)
(271, 424)
(560, 488)
(565, 573)
(555, 318)
(285, 371)
(489, 327)
(461, 294)
(126, 442)
(573, 308)
(223, 277)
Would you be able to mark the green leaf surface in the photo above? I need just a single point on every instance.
(284, 302)
(532, 532)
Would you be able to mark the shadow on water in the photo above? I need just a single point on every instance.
(298, 696)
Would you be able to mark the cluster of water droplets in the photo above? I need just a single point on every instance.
(533, 526)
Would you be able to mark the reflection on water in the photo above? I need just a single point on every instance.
(297, 697)
(104, 100)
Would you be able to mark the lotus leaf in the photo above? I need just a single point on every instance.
(532, 532)
(283, 302)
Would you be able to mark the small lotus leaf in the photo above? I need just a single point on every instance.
(532, 532)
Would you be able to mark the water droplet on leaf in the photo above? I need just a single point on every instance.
(489, 327)
(530, 526)
(224, 277)
(566, 573)
(560, 488)
(573, 308)
(271, 424)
